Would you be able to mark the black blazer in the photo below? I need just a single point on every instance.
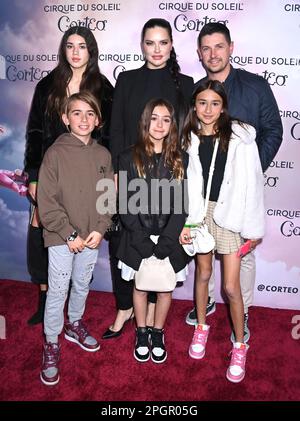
(134, 88)
(135, 243)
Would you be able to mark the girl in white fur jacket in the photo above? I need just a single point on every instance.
(235, 211)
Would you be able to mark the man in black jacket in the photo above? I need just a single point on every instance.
(251, 100)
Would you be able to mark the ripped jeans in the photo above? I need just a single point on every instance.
(63, 266)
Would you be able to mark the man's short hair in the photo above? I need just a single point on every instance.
(213, 27)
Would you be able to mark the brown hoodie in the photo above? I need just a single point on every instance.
(67, 189)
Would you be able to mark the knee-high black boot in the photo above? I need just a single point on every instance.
(38, 317)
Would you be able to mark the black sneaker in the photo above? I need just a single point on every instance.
(191, 318)
(141, 350)
(158, 350)
(246, 330)
(149, 328)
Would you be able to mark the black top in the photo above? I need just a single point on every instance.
(154, 169)
(206, 148)
(134, 88)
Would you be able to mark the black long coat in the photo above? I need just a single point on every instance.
(135, 243)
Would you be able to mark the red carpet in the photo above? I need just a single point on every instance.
(112, 374)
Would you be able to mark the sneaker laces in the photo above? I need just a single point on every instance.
(142, 339)
(200, 337)
(51, 355)
(80, 329)
(157, 339)
(238, 357)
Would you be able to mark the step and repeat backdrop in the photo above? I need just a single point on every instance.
(265, 35)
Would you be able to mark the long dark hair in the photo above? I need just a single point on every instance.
(172, 65)
(222, 127)
(92, 79)
(143, 150)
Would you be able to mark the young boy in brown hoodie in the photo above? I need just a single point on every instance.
(73, 225)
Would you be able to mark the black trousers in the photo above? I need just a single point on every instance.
(123, 290)
(37, 256)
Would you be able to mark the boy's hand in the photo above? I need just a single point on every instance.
(93, 240)
(77, 245)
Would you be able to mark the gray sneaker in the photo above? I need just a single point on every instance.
(246, 330)
(191, 318)
(50, 370)
(76, 332)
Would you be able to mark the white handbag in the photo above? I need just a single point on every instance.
(155, 275)
(202, 240)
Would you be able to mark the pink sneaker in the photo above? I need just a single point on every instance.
(197, 347)
(236, 370)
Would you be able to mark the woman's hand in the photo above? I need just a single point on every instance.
(185, 236)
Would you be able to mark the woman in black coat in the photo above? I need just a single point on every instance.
(77, 70)
(160, 77)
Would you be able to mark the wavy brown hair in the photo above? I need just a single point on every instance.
(222, 127)
(143, 150)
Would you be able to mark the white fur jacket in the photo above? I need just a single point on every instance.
(240, 206)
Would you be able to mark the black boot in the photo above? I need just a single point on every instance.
(38, 317)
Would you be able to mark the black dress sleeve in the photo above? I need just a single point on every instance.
(117, 125)
(106, 110)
